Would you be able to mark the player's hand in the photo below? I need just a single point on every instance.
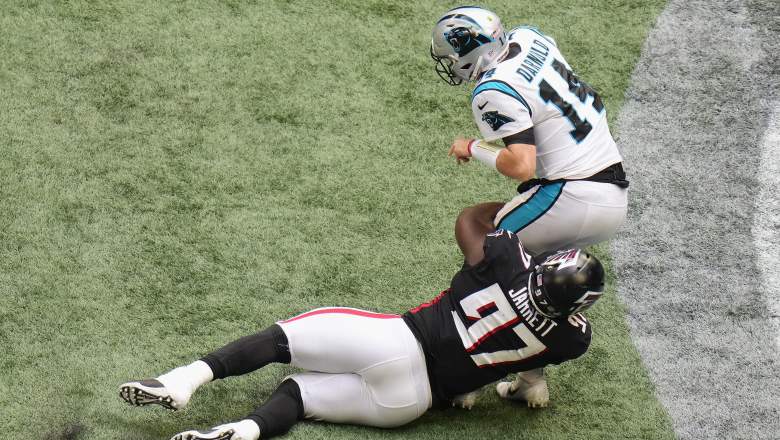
(465, 401)
(460, 149)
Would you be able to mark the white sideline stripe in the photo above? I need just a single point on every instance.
(766, 221)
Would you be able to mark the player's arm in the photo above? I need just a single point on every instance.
(520, 163)
(472, 225)
(501, 117)
(517, 160)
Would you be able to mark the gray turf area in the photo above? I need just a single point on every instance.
(689, 260)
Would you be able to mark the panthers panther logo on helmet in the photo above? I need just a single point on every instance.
(464, 40)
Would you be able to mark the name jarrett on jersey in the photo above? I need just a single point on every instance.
(484, 327)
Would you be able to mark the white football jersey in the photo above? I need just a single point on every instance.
(536, 88)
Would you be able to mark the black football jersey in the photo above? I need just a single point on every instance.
(484, 327)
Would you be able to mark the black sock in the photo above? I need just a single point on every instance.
(249, 353)
(281, 411)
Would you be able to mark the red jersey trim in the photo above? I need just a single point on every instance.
(431, 302)
(344, 311)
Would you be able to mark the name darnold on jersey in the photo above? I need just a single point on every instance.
(483, 327)
(535, 87)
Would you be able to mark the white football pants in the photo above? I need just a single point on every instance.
(564, 215)
(363, 368)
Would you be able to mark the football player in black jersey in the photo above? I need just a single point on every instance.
(503, 313)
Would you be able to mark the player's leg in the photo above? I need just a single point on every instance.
(607, 206)
(389, 397)
(564, 215)
(173, 389)
(346, 340)
(370, 368)
(330, 397)
(539, 219)
(384, 392)
(282, 410)
(334, 340)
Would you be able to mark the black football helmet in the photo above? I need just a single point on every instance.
(566, 283)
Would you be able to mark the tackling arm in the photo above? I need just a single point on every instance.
(470, 229)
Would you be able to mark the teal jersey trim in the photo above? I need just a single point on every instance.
(500, 86)
(533, 208)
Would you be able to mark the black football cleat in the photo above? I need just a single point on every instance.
(148, 392)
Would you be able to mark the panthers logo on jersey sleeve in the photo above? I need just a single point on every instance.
(495, 119)
(499, 110)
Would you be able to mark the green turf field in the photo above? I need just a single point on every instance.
(173, 177)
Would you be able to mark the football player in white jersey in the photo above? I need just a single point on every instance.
(553, 127)
(554, 131)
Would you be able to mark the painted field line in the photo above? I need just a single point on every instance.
(766, 222)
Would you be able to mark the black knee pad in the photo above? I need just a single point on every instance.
(249, 353)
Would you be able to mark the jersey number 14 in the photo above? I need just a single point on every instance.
(498, 315)
(581, 90)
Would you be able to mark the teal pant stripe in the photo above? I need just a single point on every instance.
(533, 208)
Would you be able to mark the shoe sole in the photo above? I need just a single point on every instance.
(533, 403)
(227, 435)
(139, 397)
(537, 405)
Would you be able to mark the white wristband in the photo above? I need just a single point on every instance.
(485, 152)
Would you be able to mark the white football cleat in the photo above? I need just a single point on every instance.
(243, 430)
(529, 386)
(153, 392)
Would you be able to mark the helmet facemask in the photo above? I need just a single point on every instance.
(444, 69)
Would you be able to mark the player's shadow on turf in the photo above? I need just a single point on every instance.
(71, 431)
